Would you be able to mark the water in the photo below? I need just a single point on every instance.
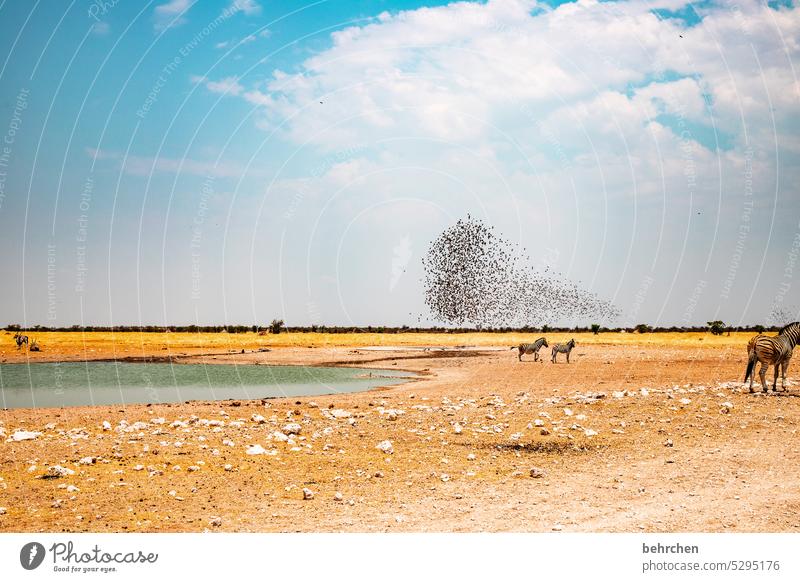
(90, 383)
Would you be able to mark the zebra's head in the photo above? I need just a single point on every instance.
(571, 343)
(544, 343)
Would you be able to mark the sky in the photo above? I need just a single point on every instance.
(180, 162)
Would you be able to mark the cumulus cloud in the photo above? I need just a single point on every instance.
(171, 14)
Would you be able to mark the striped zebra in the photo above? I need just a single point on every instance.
(772, 351)
(564, 348)
(531, 348)
(20, 339)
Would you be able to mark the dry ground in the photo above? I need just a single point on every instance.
(666, 459)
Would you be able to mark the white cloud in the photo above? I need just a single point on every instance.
(228, 85)
(134, 165)
(247, 7)
(171, 14)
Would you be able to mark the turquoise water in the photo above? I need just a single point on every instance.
(90, 383)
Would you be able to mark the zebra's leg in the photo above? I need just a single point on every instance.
(783, 374)
(777, 373)
(762, 374)
(568, 351)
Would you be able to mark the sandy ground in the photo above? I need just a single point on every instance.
(639, 437)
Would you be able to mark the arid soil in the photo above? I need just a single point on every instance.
(638, 437)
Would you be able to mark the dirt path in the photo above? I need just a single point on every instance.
(674, 457)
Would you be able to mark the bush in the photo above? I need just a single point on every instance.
(716, 327)
(276, 326)
(595, 328)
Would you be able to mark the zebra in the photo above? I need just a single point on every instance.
(531, 348)
(20, 339)
(564, 348)
(772, 351)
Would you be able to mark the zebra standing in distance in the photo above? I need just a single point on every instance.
(531, 348)
(564, 348)
(772, 351)
(20, 339)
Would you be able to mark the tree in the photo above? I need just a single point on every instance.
(595, 328)
(716, 327)
(643, 328)
(276, 326)
(759, 328)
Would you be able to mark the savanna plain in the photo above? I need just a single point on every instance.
(638, 433)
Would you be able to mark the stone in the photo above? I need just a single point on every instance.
(228, 467)
(87, 461)
(386, 447)
(3, 510)
(544, 432)
(215, 521)
(258, 419)
(536, 473)
(59, 471)
(106, 425)
(338, 496)
(457, 428)
(538, 422)
(292, 428)
(23, 435)
(307, 493)
(339, 413)
(725, 407)
(256, 450)
(668, 443)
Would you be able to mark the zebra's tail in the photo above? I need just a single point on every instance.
(514, 347)
(751, 362)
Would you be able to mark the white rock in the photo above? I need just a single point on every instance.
(471, 457)
(338, 496)
(3, 510)
(538, 422)
(228, 467)
(72, 489)
(567, 412)
(307, 493)
(192, 468)
(685, 401)
(23, 435)
(228, 442)
(257, 418)
(215, 521)
(590, 432)
(256, 450)
(87, 461)
(279, 436)
(339, 413)
(726, 407)
(457, 428)
(106, 425)
(618, 394)
(292, 428)
(385, 446)
(59, 471)
(444, 477)
(644, 392)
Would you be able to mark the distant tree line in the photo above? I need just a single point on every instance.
(277, 326)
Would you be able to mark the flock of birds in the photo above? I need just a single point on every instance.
(474, 277)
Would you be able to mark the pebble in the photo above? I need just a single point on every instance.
(3, 510)
(215, 521)
(256, 450)
(544, 432)
(471, 457)
(23, 435)
(386, 447)
(87, 461)
(726, 407)
(618, 394)
(59, 471)
(307, 493)
(228, 467)
(258, 419)
(193, 468)
(457, 428)
(538, 422)
(444, 477)
(292, 428)
(106, 425)
(668, 443)
(567, 412)
(72, 489)
(685, 401)
(536, 472)
(338, 496)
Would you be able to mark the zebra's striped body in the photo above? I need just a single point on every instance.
(772, 351)
(20, 339)
(531, 348)
(564, 348)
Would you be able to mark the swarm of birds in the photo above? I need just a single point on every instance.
(474, 277)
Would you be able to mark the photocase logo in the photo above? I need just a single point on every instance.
(31, 555)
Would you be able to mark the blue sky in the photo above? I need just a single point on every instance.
(218, 162)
